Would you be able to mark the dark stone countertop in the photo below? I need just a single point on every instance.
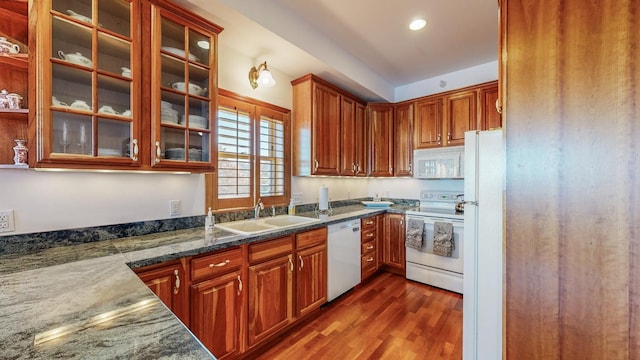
(54, 301)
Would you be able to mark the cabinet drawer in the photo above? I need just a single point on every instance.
(311, 238)
(368, 247)
(270, 249)
(215, 264)
(368, 223)
(368, 265)
(368, 235)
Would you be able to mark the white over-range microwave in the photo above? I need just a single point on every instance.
(440, 163)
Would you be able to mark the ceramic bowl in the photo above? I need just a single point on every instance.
(178, 52)
(193, 88)
(106, 109)
(80, 104)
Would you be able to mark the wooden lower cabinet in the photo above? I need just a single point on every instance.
(215, 313)
(311, 272)
(369, 263)
(167, 281)
(270, 290)
(393, 243)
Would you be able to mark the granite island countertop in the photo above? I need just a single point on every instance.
(84, 301)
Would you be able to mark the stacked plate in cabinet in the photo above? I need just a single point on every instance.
(174, 154)
(195, 121)
(167, 114)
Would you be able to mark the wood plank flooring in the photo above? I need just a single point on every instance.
(387, 318)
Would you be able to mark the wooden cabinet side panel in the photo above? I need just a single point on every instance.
(348, 137)
(302, 130)
(360, 156)
(489, 117)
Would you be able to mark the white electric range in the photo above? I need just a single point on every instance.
(423, 265)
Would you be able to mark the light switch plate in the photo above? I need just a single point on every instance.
(6, 221)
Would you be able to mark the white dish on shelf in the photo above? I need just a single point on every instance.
(174, 154)
(193, 88)
(178, 52)
(170, 119)
(195, 154)
(76, 58)
(165, 105)
(77, 16)
(195, 121)
(377, 204)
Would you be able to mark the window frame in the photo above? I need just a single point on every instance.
(257, 110)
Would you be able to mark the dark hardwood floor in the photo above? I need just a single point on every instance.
(389, 317)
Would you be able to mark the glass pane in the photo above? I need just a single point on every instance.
(172, 144)
(114, 55)
(173, 74)
(72, 87)
(77, 9)
(71, 133)
(114, 95)
(199, 46)
(115, 16)
(198, 81)
(171, 107)
(71, 42)
(198, 114)
(271, 142)
(113, 137)
(172, 38)
(198, 146)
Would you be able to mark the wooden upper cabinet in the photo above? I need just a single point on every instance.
(380, 134)
(109, 77)
(428, 123)
(488, 115)
(460, 116)
(316, 127)
(403, 142)
(348, 137)
(361, 140)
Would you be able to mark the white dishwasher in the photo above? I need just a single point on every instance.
(343, 257)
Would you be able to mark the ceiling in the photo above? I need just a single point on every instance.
(362, 46)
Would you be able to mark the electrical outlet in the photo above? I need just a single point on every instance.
(296, 198)
(175, 207)
(6, 221)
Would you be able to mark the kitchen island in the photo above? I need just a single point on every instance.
(84, 300)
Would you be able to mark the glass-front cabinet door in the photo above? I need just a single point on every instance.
(88, 86)
(184, 88)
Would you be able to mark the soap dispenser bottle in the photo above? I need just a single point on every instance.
(209, 222)
(292, 208)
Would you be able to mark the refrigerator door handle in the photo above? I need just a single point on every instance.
(468, 202)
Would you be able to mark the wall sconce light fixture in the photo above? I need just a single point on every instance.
(261, 76)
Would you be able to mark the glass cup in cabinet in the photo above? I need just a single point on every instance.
(71, 134)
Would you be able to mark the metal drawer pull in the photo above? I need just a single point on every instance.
(290, 265)
(219, 264)
(371, 235)
(301, 262)
(158, 152)
(369, 247)
(370, 222)
(370, 259)
(177, 287)
(315, 163)
(239, 285)
(134, 153)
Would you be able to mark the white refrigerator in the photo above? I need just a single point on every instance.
(484, 189)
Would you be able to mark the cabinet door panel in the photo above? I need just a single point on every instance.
(311, 279)
(361, 141)
(326, 131)
(403, 144)
(428, 123)
(460, 116)
(215, 313)
(380, 122)
(490, 118)
(270, 294)
(168, 282)
(348, 137)
(394, 249)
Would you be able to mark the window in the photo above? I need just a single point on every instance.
(253, 154)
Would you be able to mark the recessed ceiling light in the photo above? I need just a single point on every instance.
(417, 24)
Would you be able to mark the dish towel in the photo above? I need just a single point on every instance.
(443, 238)
(414, 234)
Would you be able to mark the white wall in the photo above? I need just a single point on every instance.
(455, 80)
(44, 201)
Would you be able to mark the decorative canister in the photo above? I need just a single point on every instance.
(20, 151)
(15, 101)
(4, 101)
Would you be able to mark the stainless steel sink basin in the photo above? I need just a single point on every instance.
(253, 226)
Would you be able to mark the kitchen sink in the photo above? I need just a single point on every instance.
(253, 226)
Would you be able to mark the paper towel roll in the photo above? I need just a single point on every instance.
(323, 198)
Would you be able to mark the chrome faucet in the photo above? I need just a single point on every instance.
(256, 209)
